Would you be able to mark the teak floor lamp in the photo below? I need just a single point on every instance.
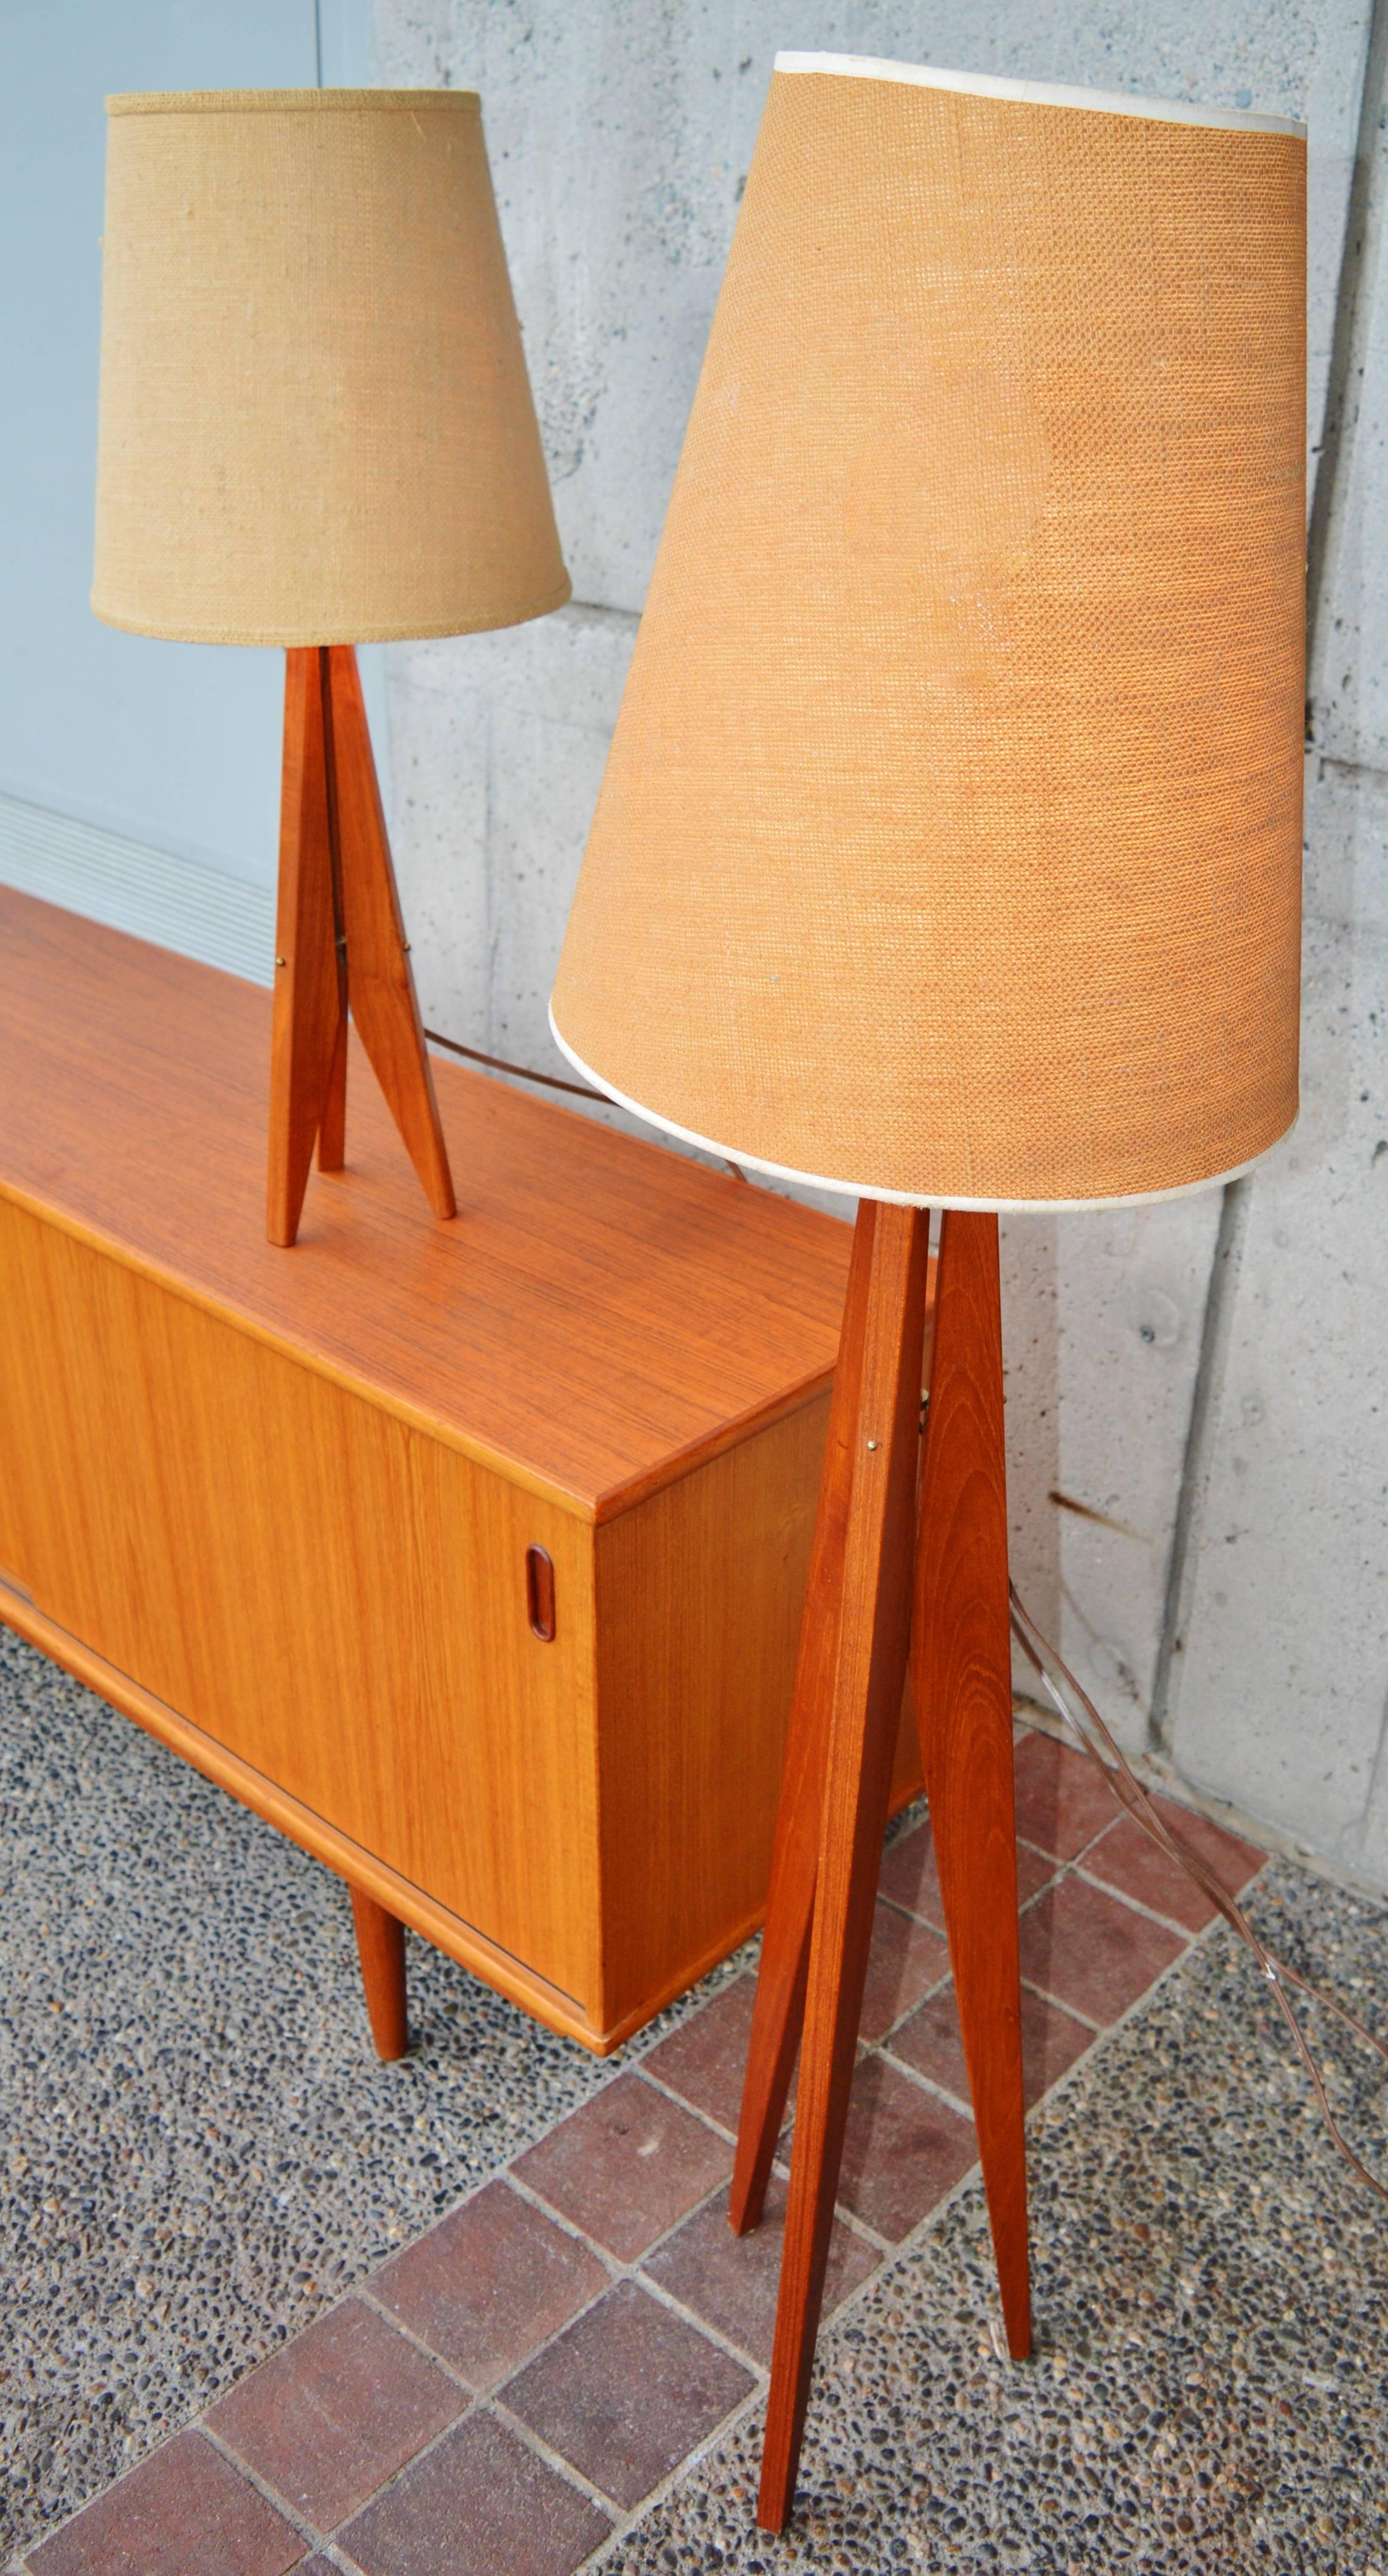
(948, 855)
(317, 431)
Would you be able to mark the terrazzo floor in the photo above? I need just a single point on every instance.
(202, 2155)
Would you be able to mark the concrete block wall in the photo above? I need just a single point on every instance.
(1279, 1690)
(1197, 1393)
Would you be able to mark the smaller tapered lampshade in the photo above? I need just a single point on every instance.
(949, 846)
(316, 431)
(316, 425)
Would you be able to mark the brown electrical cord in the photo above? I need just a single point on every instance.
(527, 1073)
(1131, 1795)
(498, 1064)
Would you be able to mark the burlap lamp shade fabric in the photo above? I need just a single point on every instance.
(316, 425)
(949, 846)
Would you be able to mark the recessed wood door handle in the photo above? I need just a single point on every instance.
(539, 1593)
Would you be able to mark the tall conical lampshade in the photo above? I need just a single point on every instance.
(316, 424)
(949, 846)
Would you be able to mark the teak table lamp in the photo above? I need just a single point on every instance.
(317, 431)
(948, 855)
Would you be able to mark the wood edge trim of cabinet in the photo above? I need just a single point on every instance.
(673, 1470)
(447, 1931)
(605, 1506)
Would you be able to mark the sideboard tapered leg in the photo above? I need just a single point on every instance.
(381, 1949)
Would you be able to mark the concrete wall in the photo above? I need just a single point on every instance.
(1278, 1688)
(1209, 1377)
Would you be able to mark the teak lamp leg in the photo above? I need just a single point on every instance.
(381, 1950)
(779, 2010)
(339, 938)
(308, 998)
(961, 1674)
(839, 1761)
(864, 1712)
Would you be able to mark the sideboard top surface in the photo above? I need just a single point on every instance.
(599, 1317)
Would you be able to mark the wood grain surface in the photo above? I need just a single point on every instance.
(380, 984)
(961, 1665)
(864, 1715)
(309, 981)
(696, 1614)
(324, 1589)
(603, 1316)
(778, 2013)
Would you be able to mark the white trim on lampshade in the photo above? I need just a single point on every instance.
(1109, 102)
(898, 1198)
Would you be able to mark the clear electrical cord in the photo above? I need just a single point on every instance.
(1078, 1712)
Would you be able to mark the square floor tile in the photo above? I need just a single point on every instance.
(910, 1878)
(931, 2042)
(906, 1959)
(183, 2512)
(903, 2151)
(733, 2280)
(1127, 1858)
(1062, 1800)
(705, 2059)
(1052, 2040)
(479, 2504)
(1035, 1870)
(336, 2412)
(490, 2283)
(627, 2392)
(626, 2165)
(1092, 1951)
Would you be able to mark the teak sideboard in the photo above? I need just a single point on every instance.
(306, 1515)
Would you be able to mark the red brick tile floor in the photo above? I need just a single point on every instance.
(520, 2384)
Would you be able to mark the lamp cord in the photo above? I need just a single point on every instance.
(525, 1072)
(551, 1081)
(1097, 1741)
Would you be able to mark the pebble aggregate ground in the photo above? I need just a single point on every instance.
(199, 2150)
(198, 2153)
